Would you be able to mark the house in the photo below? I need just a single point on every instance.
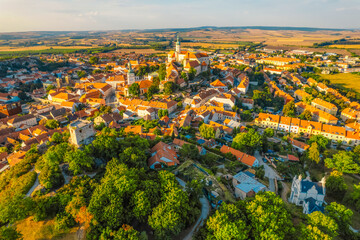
(108, 118)
(81, 132)
(247, 102)
(300, 146)
(10, 109)
(218, 84)
(16, 157)
(324, 106)
(23, 122)
(246, 186)
(300, 94)
(162, 154)
(310, 195)
(240, 156)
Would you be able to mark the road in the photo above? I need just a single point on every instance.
(269, 172)
(205, 210)
(284, 192)
(36, 184)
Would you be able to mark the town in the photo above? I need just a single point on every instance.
(250, 144)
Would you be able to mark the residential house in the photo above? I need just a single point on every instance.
(162, 155)
(249, 160)
(245, 185)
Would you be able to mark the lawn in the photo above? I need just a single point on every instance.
(347, 80)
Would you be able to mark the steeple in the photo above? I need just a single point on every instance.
(178, 49)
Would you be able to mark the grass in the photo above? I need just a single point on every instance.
(347, 80)
(32, 230)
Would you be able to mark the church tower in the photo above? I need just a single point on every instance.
(178, 49)
(130, 75)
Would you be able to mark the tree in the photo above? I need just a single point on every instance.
(289, 109)
(268, 217)
(78, 161)
(142, 206)
(162, 71)
(52, 124)
(192, 73)
(248, 142)
(207, 131)
(134, 89)
(94, 60)
(335, 185)
(9, 233)
(81, 74)
(189, 151)
(169, 88)
(51, 177)
(355, 196)
(321, 141)
(306, 115)
(269, 132)
(325, 223)
(343, 162)
(184, 76)
(126, 232)
(50, 87)
(313, 153)
(342, 217)
(228, 223)
(163, 113)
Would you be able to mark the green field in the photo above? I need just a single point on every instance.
(346, 80)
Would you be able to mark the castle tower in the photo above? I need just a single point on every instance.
(130, 75)
(178, 49)
(58, 82)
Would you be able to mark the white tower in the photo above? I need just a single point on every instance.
(130, 76)
(178, 49)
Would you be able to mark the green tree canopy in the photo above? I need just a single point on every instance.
(248, 142)
(134, 89)
(207, 131)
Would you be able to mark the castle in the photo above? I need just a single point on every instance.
(197, 60)
(310, 195)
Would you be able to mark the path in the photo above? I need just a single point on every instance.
(36, 184)
(272, 185)
(205, 210)
(284, 192)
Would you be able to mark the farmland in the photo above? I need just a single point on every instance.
(347, 80)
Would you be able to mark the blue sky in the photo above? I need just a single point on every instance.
(57, 15)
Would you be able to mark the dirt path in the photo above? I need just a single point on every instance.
(284, 192)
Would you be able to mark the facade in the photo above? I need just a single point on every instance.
(308, 128)
(310, 195)
(23, 122)
(10, 109)
(81, 132)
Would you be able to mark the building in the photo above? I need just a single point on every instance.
(300, 94)
(10, 109)
(310, 195)
(198, 60)
(324, 106)
(162, 155)
(81, 132)
(240, 156)
(246, 186)
(23, 122)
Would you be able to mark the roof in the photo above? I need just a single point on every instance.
(163, 153)
(243, 157)
(248, 183)
(217, 83)
(306, 185)
(312, 206)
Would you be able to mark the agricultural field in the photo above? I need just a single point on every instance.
(346, 46)
(37, 48)
(137, 51)
(347, 80)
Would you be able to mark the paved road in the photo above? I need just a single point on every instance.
(269, 172)
(205, 210)
(272, 185)
(36, 184)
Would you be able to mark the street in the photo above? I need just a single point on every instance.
(269, 172)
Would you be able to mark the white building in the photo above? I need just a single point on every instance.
(310, 195)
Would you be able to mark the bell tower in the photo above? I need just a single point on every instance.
(178, 49)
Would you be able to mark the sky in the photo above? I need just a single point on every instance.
(78, 15)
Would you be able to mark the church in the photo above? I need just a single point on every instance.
(198, 60)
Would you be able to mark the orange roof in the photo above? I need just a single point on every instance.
(217, 83)
(243, 157)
